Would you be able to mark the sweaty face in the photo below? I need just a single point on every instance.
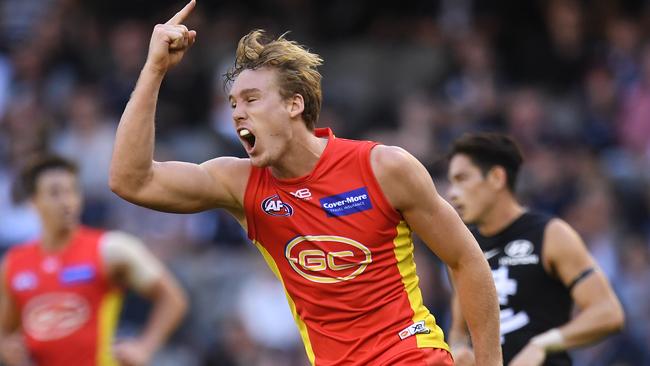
(58, 199)
(469, 192)
(261, 116)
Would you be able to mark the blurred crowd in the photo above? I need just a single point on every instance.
(570, 80)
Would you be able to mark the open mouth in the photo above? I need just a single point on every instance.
(247, 136)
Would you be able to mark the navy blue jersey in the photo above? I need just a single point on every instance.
(531, 299)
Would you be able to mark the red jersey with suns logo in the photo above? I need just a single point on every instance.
(345, 258)
(68, 307)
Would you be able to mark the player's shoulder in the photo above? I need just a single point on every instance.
(391, 160)
(227, 164)
(233, 171)
(401, 177)
(118, 247)
(562, 241)
(558, 229)
(535, 219)
(118, 238)
(22, 249)
(20, 254)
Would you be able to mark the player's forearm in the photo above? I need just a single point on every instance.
(169, 307)
(458, 337)
(590, 325)
(479, 305)
(12, 349)
(132, 160)
(458, 334)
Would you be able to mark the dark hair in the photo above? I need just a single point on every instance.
(488, 150)
(25, 185)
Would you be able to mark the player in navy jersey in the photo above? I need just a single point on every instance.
(540, 265)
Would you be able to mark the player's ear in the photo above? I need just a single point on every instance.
(296, 105)
(497, 177)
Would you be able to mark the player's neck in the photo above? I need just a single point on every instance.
(301, 156)
(503, 213)
(55, 239)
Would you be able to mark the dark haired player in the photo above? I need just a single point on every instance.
(540, 266)
(61, 295)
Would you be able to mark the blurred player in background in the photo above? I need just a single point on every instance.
(332, 217)
(539, 264)
(61, 295)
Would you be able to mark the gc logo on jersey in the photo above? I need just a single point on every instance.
(274, 206)
(327, 258)
(55, 315)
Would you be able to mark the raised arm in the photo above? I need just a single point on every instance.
(410, 190)
(168, 186)
(599, 311)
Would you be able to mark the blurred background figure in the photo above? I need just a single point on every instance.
(542, 269)
(568, 78)
(61, 294)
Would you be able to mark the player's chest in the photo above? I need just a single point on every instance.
(322, 207)
(54, 274)
(320, 229)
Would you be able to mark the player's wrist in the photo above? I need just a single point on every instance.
(154, 68)
(149, 345)
(550, 341)
(459, 346)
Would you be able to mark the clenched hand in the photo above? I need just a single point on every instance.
(170, 41)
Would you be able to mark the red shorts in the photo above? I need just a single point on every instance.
(422, 357)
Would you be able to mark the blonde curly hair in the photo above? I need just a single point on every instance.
(296, 68)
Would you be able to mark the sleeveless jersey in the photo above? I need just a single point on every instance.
(532, 301)
(68, 307)
(344, 257)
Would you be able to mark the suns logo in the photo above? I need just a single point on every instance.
(55, 315)
(327, 258)
(274, 206)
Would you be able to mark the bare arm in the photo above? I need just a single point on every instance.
(9, 319)
(599, 311)
(130, 262)
(12, 347)
(459, 340)
(458, 333)
(410, 190)
(168, 186)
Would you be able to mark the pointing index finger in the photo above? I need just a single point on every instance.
(182, 14)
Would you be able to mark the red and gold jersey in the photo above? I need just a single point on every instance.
(68, 307)
(345, 258)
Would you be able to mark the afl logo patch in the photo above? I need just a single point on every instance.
(274, 206)
(24, 281)
(519, 248)
(55, 315)
(327, 258)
